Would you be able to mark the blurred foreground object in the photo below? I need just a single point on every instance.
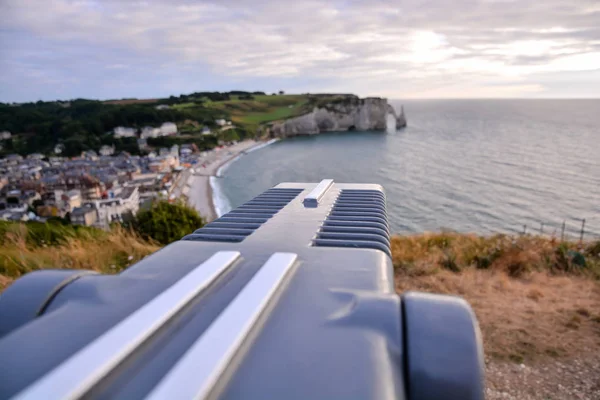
(289, 296)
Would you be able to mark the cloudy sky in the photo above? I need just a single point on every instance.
(61, 49)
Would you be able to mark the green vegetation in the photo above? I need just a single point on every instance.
(81, 124)
(203, 142)
(249, 113)
(165, 222)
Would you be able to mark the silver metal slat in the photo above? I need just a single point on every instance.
(237, 214)
(359, 206)
(314, 197)
(364, 244)
(354, 236)
(347, 199)
(355, 229)
(357, 218)
(252, 226)
(232, 231)
(79, 373)
(225, 218)
(279, 204)
(253, 211)
(199, 369)
(357, 223)
(205, 237)
(360, 213)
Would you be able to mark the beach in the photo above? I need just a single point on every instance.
(200, 192)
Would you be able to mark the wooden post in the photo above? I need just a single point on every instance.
(541, 229)
(524, 229)
(562, 233)
(582, 230)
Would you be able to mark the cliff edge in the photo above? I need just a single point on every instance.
(346, 113)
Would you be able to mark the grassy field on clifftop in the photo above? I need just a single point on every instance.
(535, 298)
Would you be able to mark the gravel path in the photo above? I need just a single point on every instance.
(576, 379)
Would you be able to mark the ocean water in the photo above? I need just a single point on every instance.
(479, 166)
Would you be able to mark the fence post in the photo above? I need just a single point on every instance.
(562, 233)
(541, 229)
(582, 230)
(524, 229)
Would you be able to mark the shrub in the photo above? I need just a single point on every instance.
(449, 262)
(165, 222)
(593, 249)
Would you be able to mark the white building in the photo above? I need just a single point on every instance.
(168, 128)
(121, 131)
(150, 132)
(107, 150)
(162, 107)
(67, 201)
(35, 156)
(206, 131)
(221, 122)
(4, 135)
(118, 209)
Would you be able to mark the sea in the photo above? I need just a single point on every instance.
(481, 166)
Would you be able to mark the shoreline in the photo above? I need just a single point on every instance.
(203, 185)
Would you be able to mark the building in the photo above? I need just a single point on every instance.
(13, 158)
(206, 130)
(159, 164)
(221, 122)
(168, 128)
(107, 150)
(162, 107)
(142, 143)
(5, 135)
(121, 208)
(69, 200)
(90, 155)
(35, 156)
(121, 131)
(151, 132)
(86, 216)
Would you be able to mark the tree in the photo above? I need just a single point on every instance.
(165, 222)
(281, 92)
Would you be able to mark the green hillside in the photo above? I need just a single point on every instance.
(83, 124)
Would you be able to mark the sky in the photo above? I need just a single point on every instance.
(107, 49)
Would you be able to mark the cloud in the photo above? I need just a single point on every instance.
(403, 49)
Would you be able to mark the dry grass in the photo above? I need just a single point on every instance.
(108, 253)
(516, 255)
(531, 302)
(532, 299)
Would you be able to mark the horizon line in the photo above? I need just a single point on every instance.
(299, 94)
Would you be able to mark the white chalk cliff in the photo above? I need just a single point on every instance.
(349, 113)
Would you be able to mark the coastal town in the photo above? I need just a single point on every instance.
(98, 188)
